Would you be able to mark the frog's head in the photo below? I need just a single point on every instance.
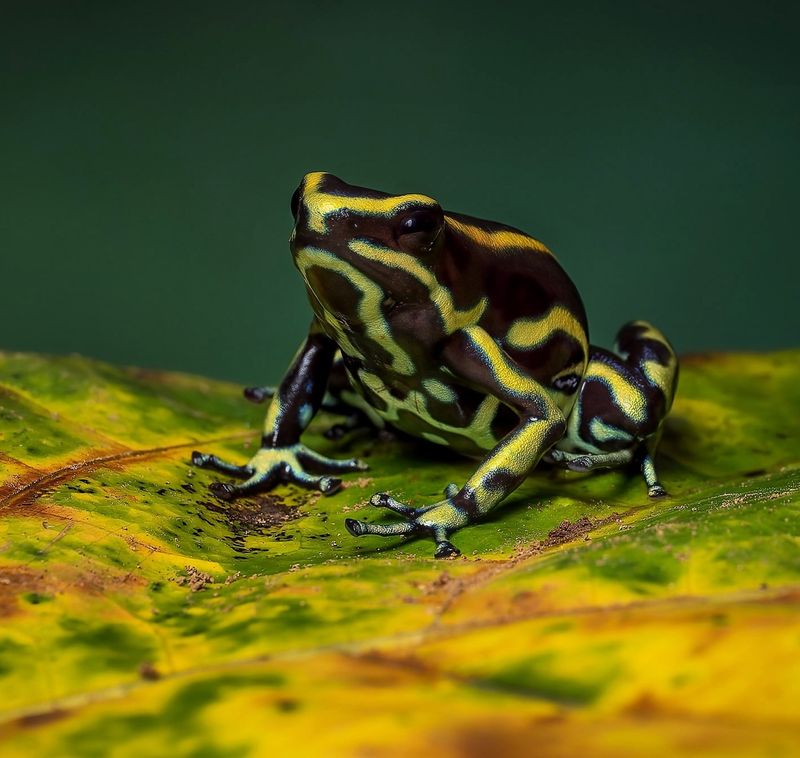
(348, 238)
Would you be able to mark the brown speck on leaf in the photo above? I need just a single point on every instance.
(149, 672)
(441, 581)
(567, 531)
(362, 481)
(195, 579)
(39, 719)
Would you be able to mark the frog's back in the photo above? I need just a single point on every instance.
(534, 310)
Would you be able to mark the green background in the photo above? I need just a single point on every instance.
(148, 152)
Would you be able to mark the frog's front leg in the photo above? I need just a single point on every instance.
(473, 356)
(282, 457)
(338, 400)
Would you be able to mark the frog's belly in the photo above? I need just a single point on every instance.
(435, 412)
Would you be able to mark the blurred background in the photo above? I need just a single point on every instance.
(148, 152)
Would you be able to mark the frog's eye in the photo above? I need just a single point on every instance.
(295, 204)
(418, 230)
(421, 221)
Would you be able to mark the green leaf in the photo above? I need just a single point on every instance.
(140, 614)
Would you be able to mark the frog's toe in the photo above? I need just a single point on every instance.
(360, 528)
(204, 460)
(656, 490)
(327, 485)
(199, 459)
(385, 500)
(555, 456)
(259, 394)
(446, 549)
(263, 480)
(580, 464)
(451, 490)
(223, 490)
(324, 465)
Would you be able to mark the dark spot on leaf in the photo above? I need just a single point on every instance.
(39, 719)
(36, 598)
(149, 672)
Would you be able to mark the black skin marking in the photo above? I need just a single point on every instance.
(567, 384)
(639, 349)
(304, 384)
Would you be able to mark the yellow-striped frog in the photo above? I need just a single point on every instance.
(464, 332)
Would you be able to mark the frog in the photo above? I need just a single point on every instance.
(458, 331)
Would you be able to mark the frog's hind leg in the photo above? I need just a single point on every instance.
(648, 352)
(651, 359)
(644, 458)
(621, 404)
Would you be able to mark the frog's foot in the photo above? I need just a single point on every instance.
(437, 521)
(272, 466)
(656, 490)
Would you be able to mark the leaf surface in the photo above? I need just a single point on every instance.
(140, 612)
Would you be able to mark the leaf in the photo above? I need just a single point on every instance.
(140, 615)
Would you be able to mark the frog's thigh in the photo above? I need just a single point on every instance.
(475, 356)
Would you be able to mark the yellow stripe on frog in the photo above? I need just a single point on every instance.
(497, 239)
(628, 398)
(452, 318)
(528, 333)
(369, 304)
(321, 204)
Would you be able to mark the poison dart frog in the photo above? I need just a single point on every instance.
(464, 332)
